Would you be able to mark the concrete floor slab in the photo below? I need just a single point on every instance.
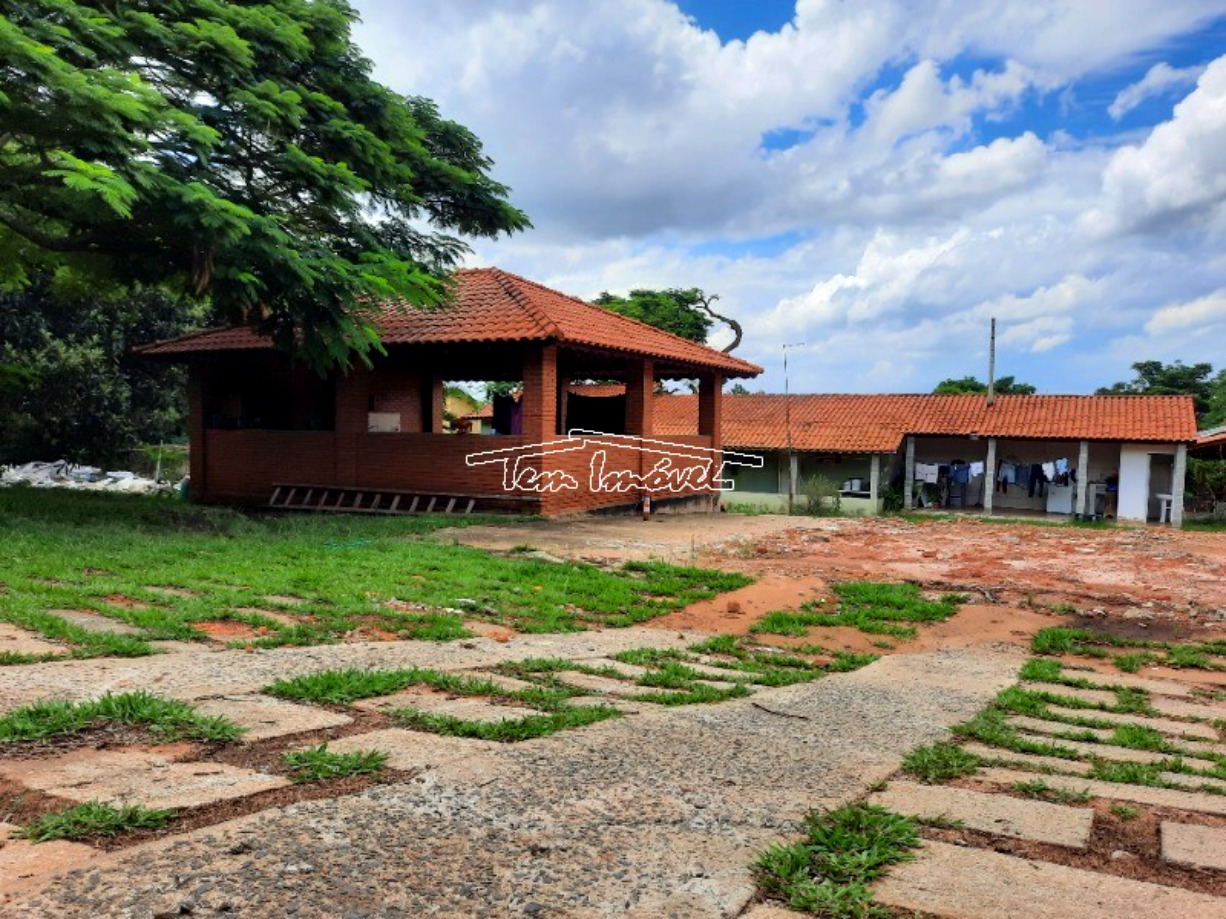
(605, 685)
(469, 709)
(136, 777)
(1118, 791)
(16, 640)
(1193, 845)
(265, 717)
(948, 880)
(1096, 696)
(1208, 711)
(1038, 821)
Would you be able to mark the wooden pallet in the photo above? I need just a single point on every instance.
(361, 500)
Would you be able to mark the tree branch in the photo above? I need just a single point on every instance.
(705, 302)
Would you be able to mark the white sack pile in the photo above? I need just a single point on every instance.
(63, 474)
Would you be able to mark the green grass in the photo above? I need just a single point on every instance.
(876, 609)
(528, 727)
(1125, 811)
(1038, 788)
(341, 687)
(1058, 640)
(94, 819)
(96, 552)
(939, 762)
(318, 764)
(828, 873)
(168, 719)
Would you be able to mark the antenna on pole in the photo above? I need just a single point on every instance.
(992, 365)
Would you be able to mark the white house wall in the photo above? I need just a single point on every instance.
(1135, 490)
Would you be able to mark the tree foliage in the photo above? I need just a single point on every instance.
(1154, 378)
(686, 313)
(1005, 386)
(71, 394)
(236, 149)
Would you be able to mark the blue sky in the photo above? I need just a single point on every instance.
(876, 179)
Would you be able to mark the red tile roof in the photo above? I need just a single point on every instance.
(491, 305)
(878, 423)
(1215, 438)
(485, 411)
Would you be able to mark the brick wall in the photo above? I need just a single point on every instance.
(243, 465)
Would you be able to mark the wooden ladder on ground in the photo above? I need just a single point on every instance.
(362, 500)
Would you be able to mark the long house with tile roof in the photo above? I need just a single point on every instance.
(264, 430)
(1071, 455)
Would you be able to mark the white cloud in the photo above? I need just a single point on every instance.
(1197, 315)
(1160, 78)
(922, 203)
(1176, 174)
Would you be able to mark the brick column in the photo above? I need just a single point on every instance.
(540, 397)
(196, 434)
(710, 407)
(640, 393)
(352, 406)
(438, 404)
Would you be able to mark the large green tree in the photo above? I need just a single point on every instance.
(683, 312)
(239, 150)
(71, 393)
(1005, 386)
(1154, 378)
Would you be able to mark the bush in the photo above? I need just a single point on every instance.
(821, 496)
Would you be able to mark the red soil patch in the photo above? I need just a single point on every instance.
(124, 602)
(734, 612)
(228, 629)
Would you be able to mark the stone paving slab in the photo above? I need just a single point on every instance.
(771, 911)
(136, 777)
(17, 640)
(95, 622)
(265, 717)
(1119, 791)
(656, 815)
(1028, 759)
(235, 672)
(1194, 845)
(948, 880)
(1192, 781)
(1038, 821)
(1161, 725)
(509, 683)
(415, 750)
(633, 671)
(21, 860)
(468, 709)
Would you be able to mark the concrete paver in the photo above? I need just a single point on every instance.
(1161, 687)
(413, 750)
(95, 622)
(1118, 754)
(19, 641)
(1193, 845)
(951, 880)
(1097, 696)
(1028, 759)
(469, 709)
(265, 717)
(604, 685)
(1119, 791)
(136, 777)
(1161, 725)
(1206, 710)
(1038, 725)
(1007, 816)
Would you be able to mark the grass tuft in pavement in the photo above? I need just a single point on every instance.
(1038, 788)
(528, 727)
(828, 872)
(168, 718)
(873, 608)
(1203, 655)
(939, 762)
(94, 818)
(317, 764)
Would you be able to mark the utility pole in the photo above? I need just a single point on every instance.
(787, 415)
(992, 365)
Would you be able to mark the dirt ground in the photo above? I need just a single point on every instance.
(1151, 582)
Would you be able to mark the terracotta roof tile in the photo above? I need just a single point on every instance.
(878, 423)
(494, 305)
